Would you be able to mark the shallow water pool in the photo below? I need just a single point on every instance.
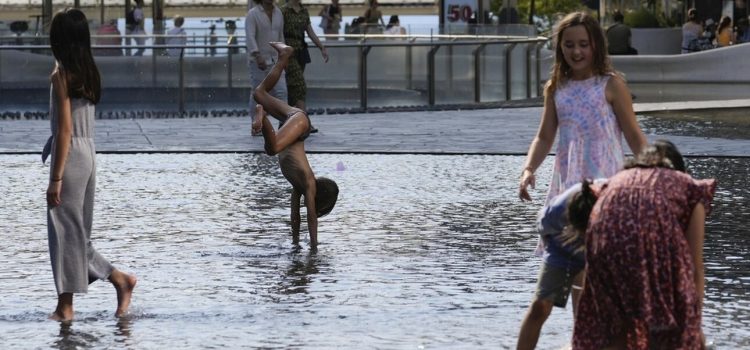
(421, 251)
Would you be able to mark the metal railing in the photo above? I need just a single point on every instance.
(515, 53)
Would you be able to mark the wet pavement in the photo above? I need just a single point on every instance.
(504, 131)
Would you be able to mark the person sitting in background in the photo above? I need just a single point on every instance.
(725, 33)
(355, 27)
(691, 32)
(176, 36)
(743, 31)
(108, 35)
(619, 37)
(394, 27)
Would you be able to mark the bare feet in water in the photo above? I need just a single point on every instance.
(124, 284)
(64, 310)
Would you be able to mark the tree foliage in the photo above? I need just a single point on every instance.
(546, 12)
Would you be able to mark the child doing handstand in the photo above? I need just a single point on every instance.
(289, 143)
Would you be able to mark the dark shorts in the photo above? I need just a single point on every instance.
(555, 284)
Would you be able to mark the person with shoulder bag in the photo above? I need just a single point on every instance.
(330, 20)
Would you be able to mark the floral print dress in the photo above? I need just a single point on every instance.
(639, 269)
(589, 144)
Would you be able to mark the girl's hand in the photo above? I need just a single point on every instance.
(53, 193)
(527, 178)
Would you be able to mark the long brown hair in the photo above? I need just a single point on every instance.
(726, 22)
(70, 41)
(561, 69)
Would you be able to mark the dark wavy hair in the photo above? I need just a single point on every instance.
(327, 192)
(660, 154)
(70, 41)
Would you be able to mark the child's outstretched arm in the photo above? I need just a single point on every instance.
(539, 148)
(295, 217)
(618, 95)
(312, 212)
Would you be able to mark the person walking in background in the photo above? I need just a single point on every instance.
(176, 36)
(109, 35)
(692, 30)
(619, 37)
(296, 24)
(644, 256)
(330, 18)
(725, 32)
(591, 108)
(394, 27)
(264, 23)
(289, 143)
(134, 26)
(373, 18)
(76, 89)
(213, 39)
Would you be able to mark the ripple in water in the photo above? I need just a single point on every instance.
(432, 251)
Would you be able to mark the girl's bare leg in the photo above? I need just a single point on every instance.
(64, 310)
(124, 285)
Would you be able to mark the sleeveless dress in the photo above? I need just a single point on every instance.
(75, 262)
(639, 274)
(590, 139)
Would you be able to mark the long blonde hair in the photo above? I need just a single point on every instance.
(561, 69)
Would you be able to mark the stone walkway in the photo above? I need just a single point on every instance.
(485, 131)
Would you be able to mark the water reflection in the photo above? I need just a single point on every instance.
(432, 251)
(300, 273)
(72, 339)
(123, 329)
(730, 124)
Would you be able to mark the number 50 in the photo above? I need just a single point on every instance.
(459, 12)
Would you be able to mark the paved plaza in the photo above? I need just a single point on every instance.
(479, 131)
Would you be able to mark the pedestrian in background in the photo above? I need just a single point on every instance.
(264, 23)
(134, 26)
(176, 36)
(296, 24)
(330, 18)
(373, 18)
